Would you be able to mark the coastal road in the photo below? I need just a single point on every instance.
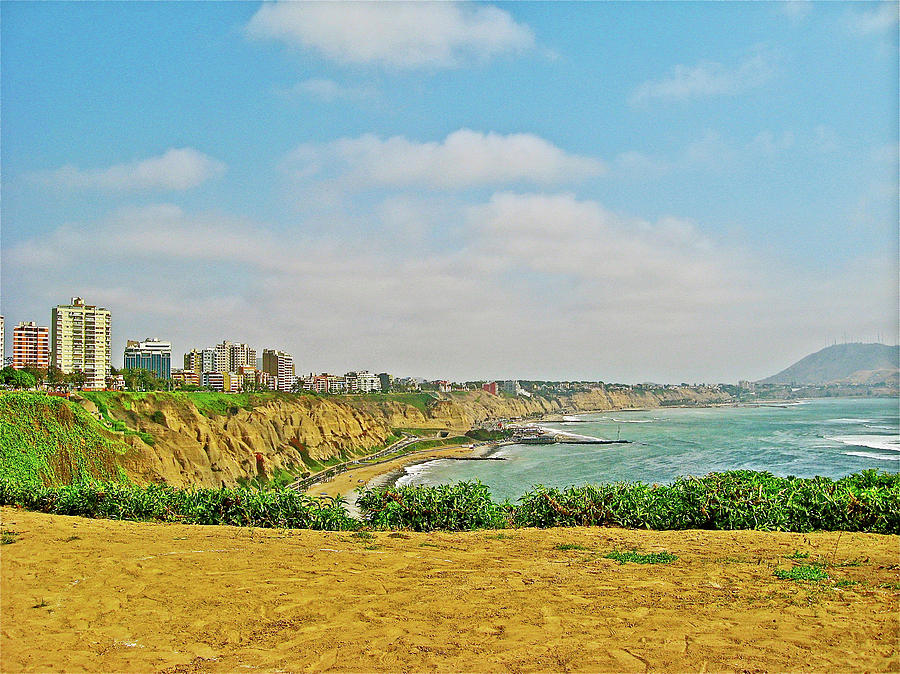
(306, 482)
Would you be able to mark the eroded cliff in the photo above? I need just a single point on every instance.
(213, 440)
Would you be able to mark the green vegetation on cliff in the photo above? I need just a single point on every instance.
(46, 440)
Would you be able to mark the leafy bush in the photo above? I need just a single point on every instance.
(867, 501)
(238, 507)
(457, 507)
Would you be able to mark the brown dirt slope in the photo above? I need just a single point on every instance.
(93, 595)
(191, 448)
(195, 449)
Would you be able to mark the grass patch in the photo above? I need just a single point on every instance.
(421, 401)
(419, 432)
(365, 535)
(808, 572)
(798, 555)
(635, 557)
(441, 442)
(7, 536)
(570, 546)
(844, 582)
(47, 440)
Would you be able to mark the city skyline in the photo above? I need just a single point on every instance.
(608, 191)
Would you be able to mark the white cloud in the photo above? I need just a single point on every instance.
(538, 285)
(329, 91)
(825, 139)
(883, 18)
(177, 170)
(463, 159)
(796, 10)
(398, 35)
(769, 143)
(709, 78)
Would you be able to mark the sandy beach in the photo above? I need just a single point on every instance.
(373, 475)
(108, 596)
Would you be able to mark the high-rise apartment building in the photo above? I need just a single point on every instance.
(151, 354)
(279, 365)
(2, 342)
(230, 356)
(79, 341)
(200, 361)
(31, 346)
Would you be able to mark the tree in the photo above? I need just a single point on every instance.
(55, 375)
(17, 378)
(39, 374)
(76, 379)
(139, 379)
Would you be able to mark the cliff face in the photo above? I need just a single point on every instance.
(177, 442)
(187, 447)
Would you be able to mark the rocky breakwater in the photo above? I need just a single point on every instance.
(183, 443)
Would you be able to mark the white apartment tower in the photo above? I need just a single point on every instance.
(230, 356)
(79, 341)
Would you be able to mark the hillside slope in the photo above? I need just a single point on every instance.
(843, 363)
(211, 440)
(50, 441)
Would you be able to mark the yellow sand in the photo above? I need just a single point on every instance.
(95, 595)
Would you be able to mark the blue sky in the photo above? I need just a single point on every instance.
(622, 191)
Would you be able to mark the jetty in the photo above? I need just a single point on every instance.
(535, 435)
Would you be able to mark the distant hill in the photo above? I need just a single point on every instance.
(843, 363)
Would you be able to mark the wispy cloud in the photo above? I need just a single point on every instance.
(796, 10)
(175, 170)
(709, 78)
(397, 35)
(882, 18)
(329, 91)
(463, 159)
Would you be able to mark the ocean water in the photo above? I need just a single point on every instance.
(829, 437)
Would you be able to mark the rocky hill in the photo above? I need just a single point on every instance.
(843, 364)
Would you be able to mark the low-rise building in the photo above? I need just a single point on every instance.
(232, 382)
(361, 382)
(213, 380)
(152, 354)
(490, 387)
(510, 386)
(186, 377)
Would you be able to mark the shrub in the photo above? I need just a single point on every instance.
(457, 507)
(813, 573)
(240, 507)
(641, 558)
